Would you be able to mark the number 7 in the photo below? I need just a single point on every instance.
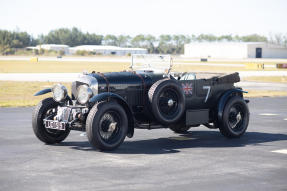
(208, 91)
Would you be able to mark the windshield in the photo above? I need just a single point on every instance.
(151, 62)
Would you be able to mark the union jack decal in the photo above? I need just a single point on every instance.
(187, 88)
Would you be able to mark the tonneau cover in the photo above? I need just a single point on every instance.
(229, 78)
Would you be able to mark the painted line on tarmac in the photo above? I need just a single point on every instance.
(83, 134)
(268, 114)
(282, 151)
(285, 119)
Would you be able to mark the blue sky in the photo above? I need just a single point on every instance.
(131, 17)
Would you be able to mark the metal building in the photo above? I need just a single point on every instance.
(55, 47)
(108, 50)
(234, 50)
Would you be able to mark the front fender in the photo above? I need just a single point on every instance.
(223, 100)
(104, 96)
(108, 96)
(44, 91)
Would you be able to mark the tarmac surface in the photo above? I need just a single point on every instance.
(152, 159)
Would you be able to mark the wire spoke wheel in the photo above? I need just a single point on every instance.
(50, 114)
(47, 109)
(107, 125)
(110, 124)
(236, 115)
(235, 118)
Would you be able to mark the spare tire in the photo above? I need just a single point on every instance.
(167, 101)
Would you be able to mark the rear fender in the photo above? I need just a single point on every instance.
(42, 92)
(224, 98)
(108, 96)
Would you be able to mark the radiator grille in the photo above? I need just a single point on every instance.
(66, 114)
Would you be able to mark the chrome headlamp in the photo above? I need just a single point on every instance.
(59, 92)
(84, 94)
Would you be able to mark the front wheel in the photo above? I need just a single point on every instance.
(235, 118)
(47, 108)
(106, 125)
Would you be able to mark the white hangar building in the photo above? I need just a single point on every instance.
(108, 50)
(234, 50)
(55, 47)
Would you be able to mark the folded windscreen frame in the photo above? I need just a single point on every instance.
(151, 62)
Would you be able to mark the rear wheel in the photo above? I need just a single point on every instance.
(235, 118)
(47, 108)
(106, 125)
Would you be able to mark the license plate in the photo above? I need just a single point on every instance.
(50, 124)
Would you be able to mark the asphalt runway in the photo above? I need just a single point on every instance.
(152, 159)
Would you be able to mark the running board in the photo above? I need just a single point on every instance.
(149, 126)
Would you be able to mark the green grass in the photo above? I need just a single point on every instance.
(59, 67)
(14, 94)
(78, 67)
(276, 79)
(265, 93)
(241, 61)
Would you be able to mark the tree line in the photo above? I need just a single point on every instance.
(163, 44)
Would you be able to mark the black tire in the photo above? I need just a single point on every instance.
(101, 118)
(179, 128)
(47, 136)
(235, 118)
(160, 94)
(216, 125)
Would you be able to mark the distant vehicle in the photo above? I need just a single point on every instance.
(59, 56)
(108, 106)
